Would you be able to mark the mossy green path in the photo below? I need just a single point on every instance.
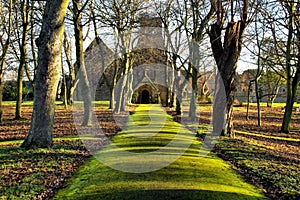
(190, 176)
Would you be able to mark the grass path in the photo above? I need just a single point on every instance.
(137, 157)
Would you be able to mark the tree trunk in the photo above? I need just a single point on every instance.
(1, 97)
(70, 82)
(84, 88)
(219, 106)
(19, 91)
(126, 67)
(23, 51)
(193, 103)
(291, 98)
(48, 72)
(270, 101)
(84, 84)
(178, 103)
(32, 44)
(258, 98)
(285, 127)
(273, 95)
(122, 91)
(181, 85)
(112, 84)
(4, 46)
(64, 85)
(226, 56)
(248, 100)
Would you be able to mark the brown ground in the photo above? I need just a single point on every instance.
(271, 123)
(64, 126)
(22, 171)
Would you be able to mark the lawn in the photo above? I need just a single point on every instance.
(261, 155)
(262, 164)
(141, 176)
(39, 173)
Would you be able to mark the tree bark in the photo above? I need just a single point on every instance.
(226, 56)
(4, 46)
(193, 103)
(48, 72)
(248, 100)
(33, 51)
(123, 90)
(23, 51)
(292, 81)
(84, 84)
(1, 92)
(71, 82)
(285, 127)
(291, 98)
(258, 99)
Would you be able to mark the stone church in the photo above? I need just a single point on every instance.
(150, 68)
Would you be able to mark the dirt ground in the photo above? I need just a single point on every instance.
(271, 124)
(64, 125)
(267, 137)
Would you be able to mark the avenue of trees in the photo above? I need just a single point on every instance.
(44, 40)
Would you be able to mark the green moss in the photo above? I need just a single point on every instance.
(189, 177)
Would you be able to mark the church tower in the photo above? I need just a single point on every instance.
(149, 79)
(150, 33)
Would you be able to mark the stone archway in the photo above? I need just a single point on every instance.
(145, 98)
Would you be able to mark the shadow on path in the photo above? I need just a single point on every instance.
(155, 158)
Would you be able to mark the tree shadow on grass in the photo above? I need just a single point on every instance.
(167, 194)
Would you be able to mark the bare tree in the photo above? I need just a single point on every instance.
(48, 73)
(25, 19)
(292, 9)
(5, 34)
(71, 80)
(283, 49)
(202, 14)
(173, 43)
(192, 18)
(226, 50)
(121, 17)
(83, 78)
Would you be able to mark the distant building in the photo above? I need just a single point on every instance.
(152, 76)
(149, 67)
(242, 88)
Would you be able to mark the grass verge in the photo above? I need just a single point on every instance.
(260, 165)
(189, 177)
(37, 173)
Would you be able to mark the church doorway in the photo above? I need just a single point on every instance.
(145, 97)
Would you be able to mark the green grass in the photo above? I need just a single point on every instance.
(13, 103)
(188, 177)
(30, 103)
(24, 174)
(19, 142)
(264, 104)
(280, 176)
(268, 136)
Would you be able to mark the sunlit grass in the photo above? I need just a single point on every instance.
(189, 177)
(13, 103)
(58, 103)
(278, 174)
(268, 136)
(24, 173)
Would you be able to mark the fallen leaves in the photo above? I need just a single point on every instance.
(39, 173)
